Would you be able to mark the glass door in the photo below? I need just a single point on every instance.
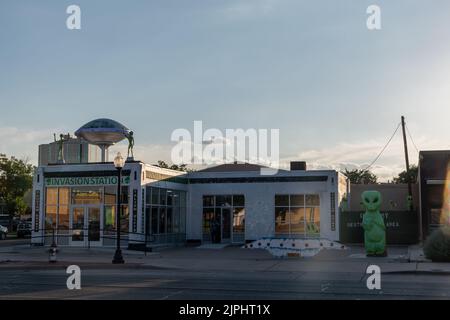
(85, 226)
(226, 225)
(77, 226)
(94, 226)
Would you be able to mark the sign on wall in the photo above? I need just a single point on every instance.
(135, 210)
(37, 209)
(85, 181)
(402, 227)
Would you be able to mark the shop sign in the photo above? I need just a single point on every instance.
(85, 181)
(37, 209)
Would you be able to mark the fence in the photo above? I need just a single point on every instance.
(106, 238)
(402, 227)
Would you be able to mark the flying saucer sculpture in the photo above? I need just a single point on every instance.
(103, 133)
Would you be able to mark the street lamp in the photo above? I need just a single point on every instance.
(118, 163)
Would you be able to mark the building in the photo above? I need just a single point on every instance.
(401, 220)
(434, 188)
(75, 150)
(75, 204)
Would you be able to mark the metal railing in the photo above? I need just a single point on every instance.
(87, 237)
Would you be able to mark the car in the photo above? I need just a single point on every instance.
(23, 229)
(3, 232)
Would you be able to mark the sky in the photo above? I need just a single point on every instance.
(311, 69)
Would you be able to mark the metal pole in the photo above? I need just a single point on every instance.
(118, 259)
(405, 144)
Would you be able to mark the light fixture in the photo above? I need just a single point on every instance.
(119, 162)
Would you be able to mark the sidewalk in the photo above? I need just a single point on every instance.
(351, 262)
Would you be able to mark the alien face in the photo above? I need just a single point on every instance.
(371, 200)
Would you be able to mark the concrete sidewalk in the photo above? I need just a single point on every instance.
(341, 262)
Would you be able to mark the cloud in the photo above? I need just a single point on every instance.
(24, 142)
(360, 156)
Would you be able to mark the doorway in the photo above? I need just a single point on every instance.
(86, 226)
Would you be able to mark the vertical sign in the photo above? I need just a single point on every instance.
(333, 211)
(37, 209)
(143, 212)
(135, 209)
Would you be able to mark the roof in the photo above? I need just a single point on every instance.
(234, 167)
(104, 123)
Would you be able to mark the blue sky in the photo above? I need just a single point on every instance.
(310, 68)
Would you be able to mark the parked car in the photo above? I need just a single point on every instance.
(23, 229)
(3, 232)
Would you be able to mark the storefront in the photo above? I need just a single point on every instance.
(76, 204)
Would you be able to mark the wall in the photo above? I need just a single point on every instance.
(394, 196)
(260, 205)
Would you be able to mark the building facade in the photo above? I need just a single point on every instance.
(75, 204)
(75, 150)
(434, 189)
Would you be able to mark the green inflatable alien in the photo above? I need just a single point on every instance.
(373, 224)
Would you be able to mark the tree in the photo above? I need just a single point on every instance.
(181, 167)
(358, 176)
(16, 178)
(411, 176)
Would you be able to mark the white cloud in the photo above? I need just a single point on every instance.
(360, 155)
(24, 142)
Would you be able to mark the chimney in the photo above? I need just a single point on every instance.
(298, 165)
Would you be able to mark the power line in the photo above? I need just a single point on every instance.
(412, 140)
(384, 148)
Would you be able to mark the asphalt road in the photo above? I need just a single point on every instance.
(170, 284)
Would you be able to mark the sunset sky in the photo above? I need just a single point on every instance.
(310, 68)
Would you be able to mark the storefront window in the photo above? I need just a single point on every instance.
(281, 220)
(63, 218)
(52, 197)
(297, 215)
(109, 222)
(86, 195)
(155, 220)
(166, 210)
(238, 220)
(162, 220)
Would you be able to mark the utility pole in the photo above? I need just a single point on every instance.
(405, 144)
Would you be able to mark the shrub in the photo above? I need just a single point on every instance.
(437, 246)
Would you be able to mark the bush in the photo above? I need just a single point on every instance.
(437, 246)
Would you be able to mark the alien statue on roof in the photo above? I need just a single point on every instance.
(130, 138)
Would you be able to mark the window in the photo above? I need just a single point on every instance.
(297, 215)
(238, 220)
(87, 195)
(166, 211)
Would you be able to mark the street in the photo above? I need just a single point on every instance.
(160, 284)
(228, 274)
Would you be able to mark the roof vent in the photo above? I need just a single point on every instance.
(298, 165)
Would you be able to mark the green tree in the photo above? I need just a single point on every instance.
(404, 177)
(358, 176)
(181, 167)
(16, 178)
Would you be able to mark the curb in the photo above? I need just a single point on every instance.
(15, 265)
(419, 272)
